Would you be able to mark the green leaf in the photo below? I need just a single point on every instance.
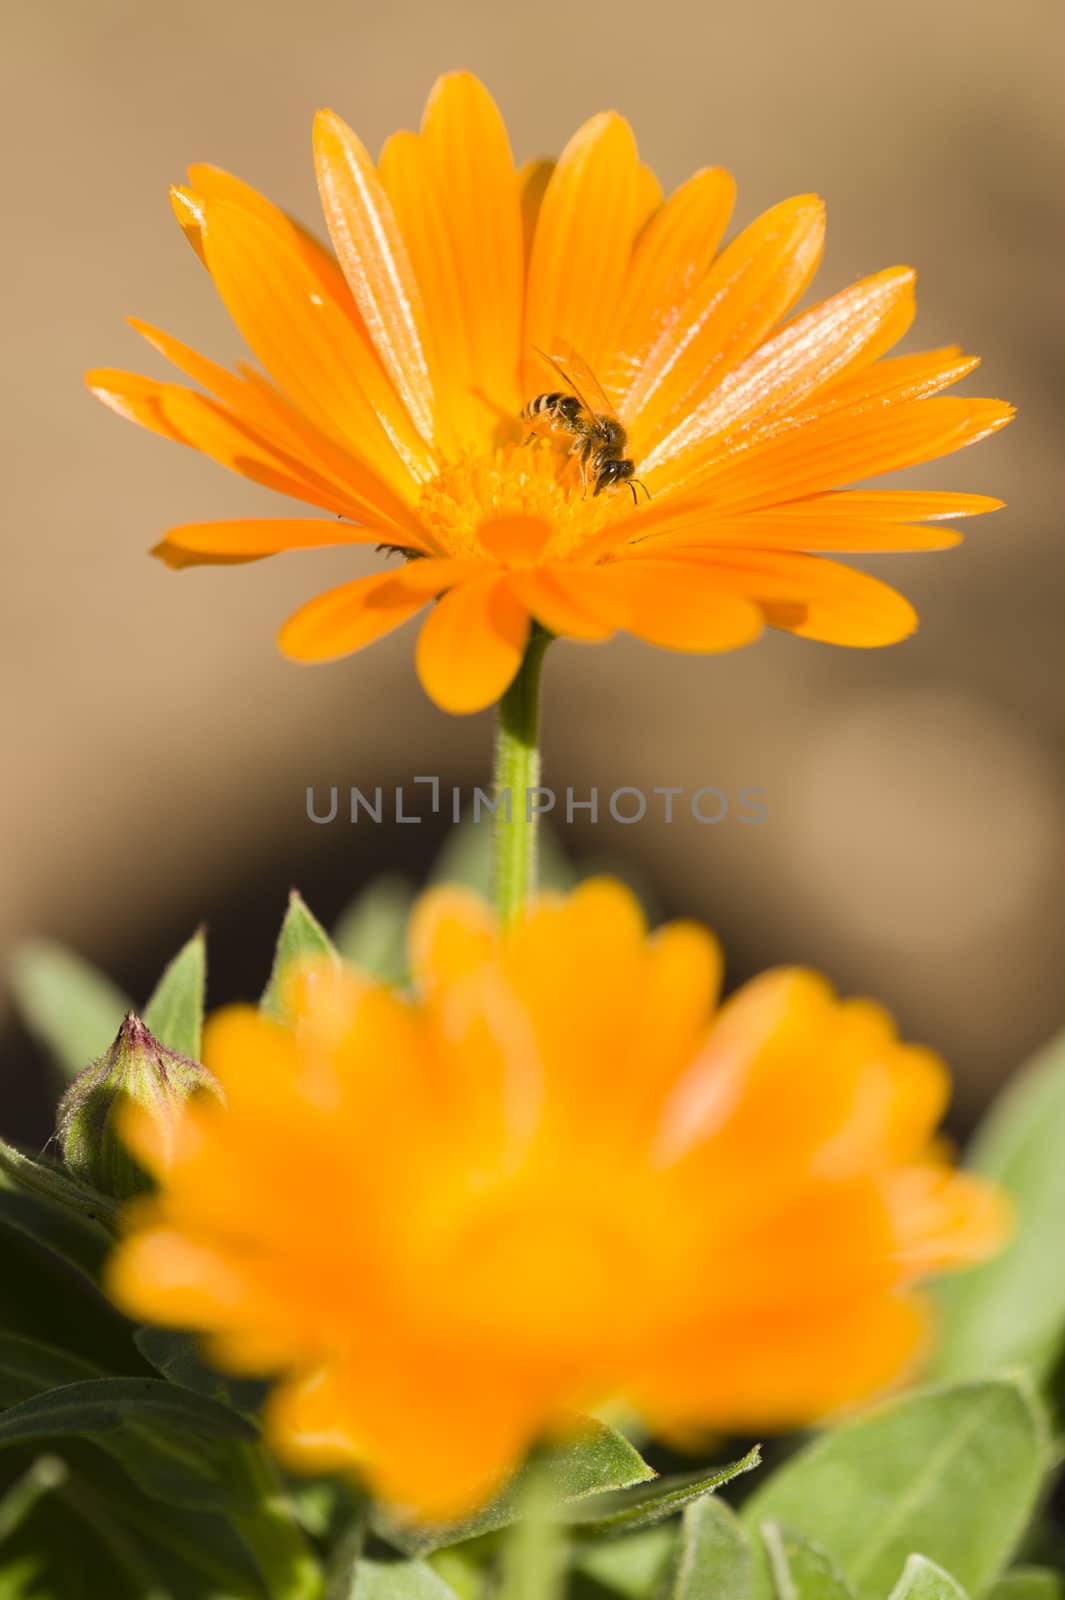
(55, 1210)
(714, 1555)
(19, 1581)
(29, 1366)
(1029, 1583)
(634, 1567)
(177, 1357)
(1011, 1311)
(71, 1008)
(302, 936)
(923, 1580)
(98, 1405)
(461, 1571)
(372, 932)
(599, 1461)
(954, 1472)
(43, 1299)
(634, 1508)
(174, 1014)
(800, 1569)
(396, 1580)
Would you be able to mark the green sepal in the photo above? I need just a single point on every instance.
(174, 1014)
(302, 937)
(961, 1466)
(138, 1068)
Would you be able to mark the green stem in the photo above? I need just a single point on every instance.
(517, 772)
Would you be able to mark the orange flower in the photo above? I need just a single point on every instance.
(549, 1176)
(397, 372)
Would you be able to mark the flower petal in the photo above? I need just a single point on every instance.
(517, 540)
(471, 167)
(135, 398)
(471, 645)
(560, 599)
(811, 597)
(309, 346)
(198, 543)
(345, 619)
(240, 445)
(214, 183)
(374, 260)
(842, 448)
(584, 235)
(664, 603)
(533, 179)
(452, 931)
(790, 367)
(747, 290)
(783, 1365)
(674, 252)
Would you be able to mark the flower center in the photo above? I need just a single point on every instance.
(537, 482)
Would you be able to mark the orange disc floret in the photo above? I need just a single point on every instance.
(398, 362)
(553, 1173)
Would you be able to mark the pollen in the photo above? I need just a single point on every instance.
(515, 483)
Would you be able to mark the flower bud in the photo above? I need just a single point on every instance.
(138, 1069)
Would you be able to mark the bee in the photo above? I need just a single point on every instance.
(584, 412)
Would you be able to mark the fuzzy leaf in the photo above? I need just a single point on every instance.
(634, 1567)
(174, 1014)
(800, 1569)
(301, 936)
(1011, 1311)
(714, 1555)
(639, 1507)
(599, 1461)
(923, 1580)
(177, 1357)
(396, 1580)
(71, 1008)
(372, 932)
(55, 1210)
(954, 1472)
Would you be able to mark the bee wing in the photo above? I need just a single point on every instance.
(578, 376)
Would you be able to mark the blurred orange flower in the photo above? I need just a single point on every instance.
(398, 369)
(550, 1176)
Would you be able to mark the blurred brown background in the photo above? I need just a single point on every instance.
(158, 748)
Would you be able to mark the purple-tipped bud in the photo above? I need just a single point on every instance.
(137, 1068)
